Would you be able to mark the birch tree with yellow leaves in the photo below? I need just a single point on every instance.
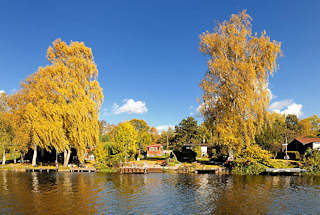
(6, 129)
(235, 88)
(60, 103)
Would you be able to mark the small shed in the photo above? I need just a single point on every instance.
(154, 150)
(301, 144)
(203, 148)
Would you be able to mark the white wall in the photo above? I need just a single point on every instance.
(203, 150)
(316, 145)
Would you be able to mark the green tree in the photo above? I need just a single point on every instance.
(187, 132)
(293, 129)
(272, 135)
(167, 138)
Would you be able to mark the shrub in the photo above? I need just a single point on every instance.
(311, 161)
(294, 155)
(162, 157)
(251, 161)
(103, 155)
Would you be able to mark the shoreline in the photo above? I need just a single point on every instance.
(132, 170)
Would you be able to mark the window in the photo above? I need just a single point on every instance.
(153, 149)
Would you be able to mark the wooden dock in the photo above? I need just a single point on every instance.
(133, 170)
(41, 170)
(48, 170)
(82, 170)
(283, 171)
(140, 170)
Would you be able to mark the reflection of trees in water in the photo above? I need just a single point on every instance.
(18, 190)
(42, 193)
(129, 187)
(63, 193)
(244, 195)
(257, 194)
(128, 184)
(4, 184)
(77, 193)
(210, 189)
(187, 185)
(35, 182)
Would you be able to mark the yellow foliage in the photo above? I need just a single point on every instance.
(310, 126)
(124, 139)
(6, 128)
(235, 88)
(59, 104)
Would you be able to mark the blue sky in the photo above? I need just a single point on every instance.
(147, 51)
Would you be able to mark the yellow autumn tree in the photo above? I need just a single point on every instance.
(38, 113)
(144, 137)
(21, 139)
(310, 126)
(124, 138)
(6, 129)
(235, 88)
(60, 103)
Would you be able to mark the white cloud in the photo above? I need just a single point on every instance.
(280, 104)
(2, 91)
(287, 107)
(164, 128)
(198, 111)
(272, 96)
(130, 106)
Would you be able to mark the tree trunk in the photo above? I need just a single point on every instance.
(56, 161)
(34, 158)
(230, 155)
(4, 157)
(22, 158)
(15, 157)
(66, 157)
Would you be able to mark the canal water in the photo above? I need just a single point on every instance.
(88, 193)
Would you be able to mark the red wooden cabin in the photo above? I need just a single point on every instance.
(154, 150)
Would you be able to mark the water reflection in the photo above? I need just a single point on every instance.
(66, 193)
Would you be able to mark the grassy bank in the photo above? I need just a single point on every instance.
(19, 166)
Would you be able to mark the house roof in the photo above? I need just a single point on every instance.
(307, 140)
(154, 145)
(197, 144)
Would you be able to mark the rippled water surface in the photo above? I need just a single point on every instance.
(67, 193)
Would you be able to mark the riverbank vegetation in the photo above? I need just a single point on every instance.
(312, 162)
(57, 110)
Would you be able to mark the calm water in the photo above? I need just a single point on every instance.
(81, 193)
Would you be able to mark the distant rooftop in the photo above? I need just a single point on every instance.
(307, 140)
